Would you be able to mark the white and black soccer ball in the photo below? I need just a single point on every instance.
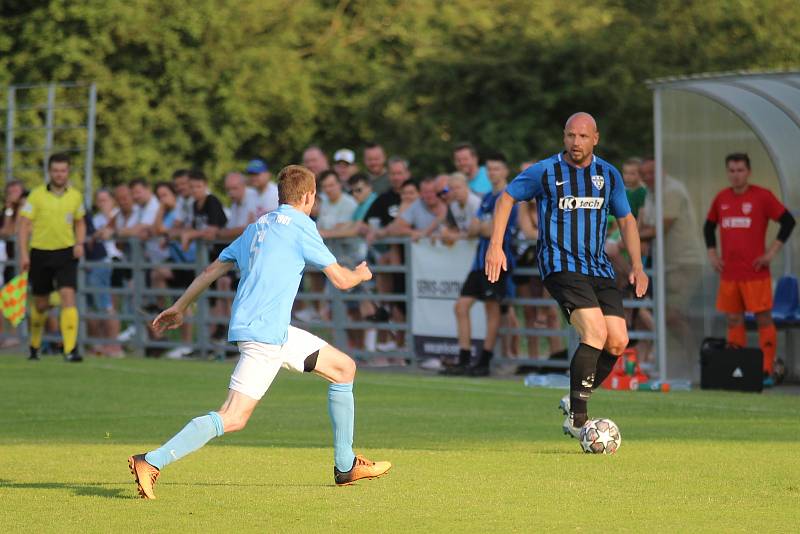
(600, 436)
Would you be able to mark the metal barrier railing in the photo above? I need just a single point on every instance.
(135, 299)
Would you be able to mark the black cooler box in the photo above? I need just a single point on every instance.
(732, 368)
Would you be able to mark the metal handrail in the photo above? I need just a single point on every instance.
(139, 293)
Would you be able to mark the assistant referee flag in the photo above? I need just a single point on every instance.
(13, 297)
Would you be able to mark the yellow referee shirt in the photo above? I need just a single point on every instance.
(52, 217)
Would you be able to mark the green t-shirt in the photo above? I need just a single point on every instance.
(636, 199)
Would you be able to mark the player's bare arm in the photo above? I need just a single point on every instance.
(630, 236)
(80, 237)
(24, 235)
(526, 222)
(398, 227)
(344, 278)
(172, 317)
(495, 257)
(347, 229)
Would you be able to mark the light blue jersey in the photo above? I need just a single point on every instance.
(481, 184)
(271, 254)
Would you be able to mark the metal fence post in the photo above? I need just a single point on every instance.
(10, 134)
(48, 134)
(22, 329)
(202, 310)
(82, 306)
(409, 335)
(136, 301)
(88, 186)
(660, 276)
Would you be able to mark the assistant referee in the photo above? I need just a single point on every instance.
(52, 219)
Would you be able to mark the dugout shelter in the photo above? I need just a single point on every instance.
(698, 120)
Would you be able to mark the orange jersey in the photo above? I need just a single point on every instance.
(742, 221)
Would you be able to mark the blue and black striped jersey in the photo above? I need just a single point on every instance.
(573, 206)
(485, 213)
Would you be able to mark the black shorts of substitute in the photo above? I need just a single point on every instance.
(478, 286)
(51, 270)
(573, 291)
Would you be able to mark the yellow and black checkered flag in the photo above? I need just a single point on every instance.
(13, 297)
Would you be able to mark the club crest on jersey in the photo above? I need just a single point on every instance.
(598, 181)
(747, 208)
(573, 203)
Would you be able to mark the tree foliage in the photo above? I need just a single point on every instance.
(212, 83)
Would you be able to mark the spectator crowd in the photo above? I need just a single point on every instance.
(360, 202)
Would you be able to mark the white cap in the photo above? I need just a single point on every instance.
(345, 154)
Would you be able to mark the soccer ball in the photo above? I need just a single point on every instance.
(600, 436)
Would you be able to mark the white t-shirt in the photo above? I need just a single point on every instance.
(348, 251)
(331, 214)
(266, 200)
(100, 221)
(464, 215)
(147, 213)
(240, 211)
(184, 210)
(126, 221)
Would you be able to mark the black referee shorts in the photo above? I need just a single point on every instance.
(51, 270)
(574, 291)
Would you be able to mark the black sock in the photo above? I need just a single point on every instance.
(605, 362)
(581, 378)
(464, 356)
(486, 357)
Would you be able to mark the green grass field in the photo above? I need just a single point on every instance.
(469, 455)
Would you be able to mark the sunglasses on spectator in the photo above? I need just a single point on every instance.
(357, 189)
(443, 192)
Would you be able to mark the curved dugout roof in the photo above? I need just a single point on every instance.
(769, 103)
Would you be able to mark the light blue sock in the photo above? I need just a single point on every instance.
(194, 435)
(342, 411)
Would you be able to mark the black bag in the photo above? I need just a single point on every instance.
(724, 366)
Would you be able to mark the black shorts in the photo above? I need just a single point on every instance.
(573, 291)
(478, 286)
(120, 275)
(525, 260)
(51, 270)
(181, 278)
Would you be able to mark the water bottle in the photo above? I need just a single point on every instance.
(552, 380)
(679, 385)
(655, 385)
(665, 385)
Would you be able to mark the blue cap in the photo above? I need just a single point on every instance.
(256, 166)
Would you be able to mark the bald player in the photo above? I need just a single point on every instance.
(575, 191)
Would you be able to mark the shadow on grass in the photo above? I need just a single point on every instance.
(238, 485)
(91, 489)
(102, 489)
